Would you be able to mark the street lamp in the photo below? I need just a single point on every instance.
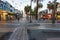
(54, 12)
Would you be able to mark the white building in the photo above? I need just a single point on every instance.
(58, 7)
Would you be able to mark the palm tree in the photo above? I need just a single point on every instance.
(27, 9)
(52, 6)
(37, 3)
(36, 9)
(39, 6)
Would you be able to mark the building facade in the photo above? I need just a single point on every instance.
(6, 10)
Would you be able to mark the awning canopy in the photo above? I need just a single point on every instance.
(4, 11)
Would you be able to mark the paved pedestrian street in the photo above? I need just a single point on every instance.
(19, 34)
(38, 31)
(29, 19)
(7, 28)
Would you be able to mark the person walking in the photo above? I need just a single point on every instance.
(18, 19)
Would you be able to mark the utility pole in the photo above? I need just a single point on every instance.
(54, 12)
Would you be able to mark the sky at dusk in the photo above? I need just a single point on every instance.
(20, 4)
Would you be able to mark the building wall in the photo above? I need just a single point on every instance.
(5, 6)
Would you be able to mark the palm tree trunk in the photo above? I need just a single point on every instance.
(30, 11)
(54, 12)
(37, 11)
(53, 18)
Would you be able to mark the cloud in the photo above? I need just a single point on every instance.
(20, 4)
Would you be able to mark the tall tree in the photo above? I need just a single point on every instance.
(27, 9)
(37, 3)
(50, 5)
(53, 6)
(36, 10)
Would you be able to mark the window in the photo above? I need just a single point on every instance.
(1, 4)
(10, 10)
(10, 5)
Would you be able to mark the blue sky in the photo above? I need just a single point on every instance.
(20, 4)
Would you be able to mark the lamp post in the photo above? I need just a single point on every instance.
(30, 11)
(54, 12)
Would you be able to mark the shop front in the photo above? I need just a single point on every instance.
(11, 16)
(3, 14)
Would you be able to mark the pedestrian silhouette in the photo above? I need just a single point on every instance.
(18, 18)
